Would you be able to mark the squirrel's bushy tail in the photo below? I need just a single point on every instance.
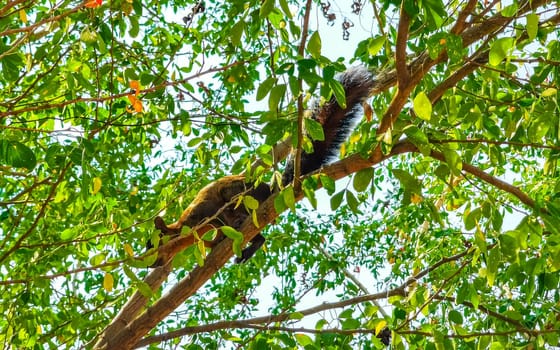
(337, 122)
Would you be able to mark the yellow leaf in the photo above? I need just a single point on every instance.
(415, 199)
(202, 248)
(96, 185)
(23, 16)
(108, 282)
(379, 327)
(134, 191)
(422, 106)
(128, 249)
(549, 92)
(342, 150)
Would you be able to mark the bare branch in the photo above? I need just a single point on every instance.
(400, 50)
(461, 23)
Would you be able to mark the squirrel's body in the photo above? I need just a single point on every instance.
(216, 204)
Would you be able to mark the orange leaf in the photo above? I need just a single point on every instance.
(136, 104)
(135, 85)
(93, 3)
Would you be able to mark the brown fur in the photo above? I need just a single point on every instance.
(214, 206)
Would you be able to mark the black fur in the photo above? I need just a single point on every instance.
(337, 122)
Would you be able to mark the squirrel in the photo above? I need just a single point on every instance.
(216, 204)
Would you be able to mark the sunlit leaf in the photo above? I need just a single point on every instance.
(532, 25)
(500, 49)
(422, 106)
(314, 45)
(108, 282)
(23, 16)
(96, 185)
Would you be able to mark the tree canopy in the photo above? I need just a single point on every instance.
(443, 230)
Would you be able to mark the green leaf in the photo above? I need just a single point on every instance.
(289, 197)
(308, 188)
(328, 183)
(250, 202)
(88, 36)
(346, 314)
(416, 135)
(314, 45)
(454, 161)
(471, 218)
(336, 200)
(549, 92)
(338, 91)
(144, 289)
(493, 262)
(295, 316)
(408, 182)
(265, 87)
(532, 26)
(499, 50)
(235, 236)
(97, 259)
(376, 44)
(236, 33)
(455, 317)
(232, 233)
(315, 129)
(303, 340)
(352, 201)
(266, 7)
(276, 95)
(17, 154)
(286, 8)
(422, 106)
(68, 234)
(362, 179)
(510, 10)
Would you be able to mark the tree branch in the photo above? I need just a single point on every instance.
(400, 50)
(400, 290)
(121, 95)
